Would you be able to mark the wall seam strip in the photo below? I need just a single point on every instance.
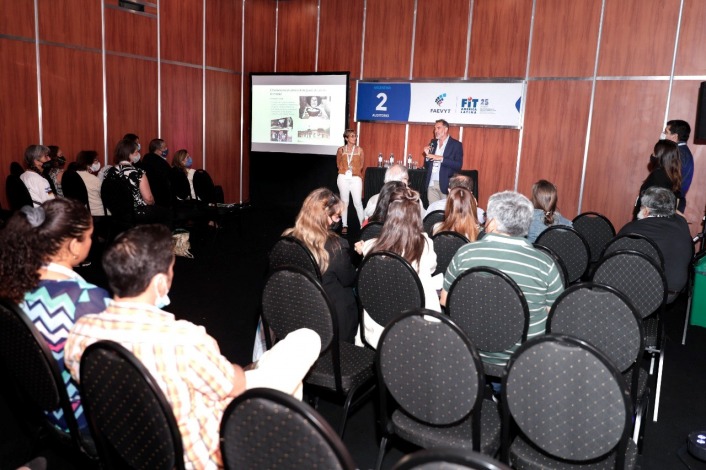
(159, 71)
(362, 57)
(411, 72)
(39, 73)
(468, 53)
(105, 87)
(318, 36)
(242, 79)
(276, 32)
(671, 76)
(203, 90)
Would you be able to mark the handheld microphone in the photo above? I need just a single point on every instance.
(432, 147)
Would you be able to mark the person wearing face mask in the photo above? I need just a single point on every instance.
(183, 175)
(158, 170)
(184, 360)
(315, 227)
(39, 188)
(87, 167)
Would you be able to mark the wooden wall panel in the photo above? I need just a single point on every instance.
(440, 40)
(341, 37)
(223, 34)
(130, 33)
(182, 117)
(556, 119)
(388, 38)
(493, 152)
(296, 36)
(181, 30)
(565, 37)
(75, 22)
(638, 37)
(692, 37)
(223, 132)
(385, 138)
(17, 19)
(627, 120)
(72, 98)
(131, 109)
(683, 106)
(500, 38)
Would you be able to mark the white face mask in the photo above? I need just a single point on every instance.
(135, 158)
(162, 300)
(663, 136)
(95, 167)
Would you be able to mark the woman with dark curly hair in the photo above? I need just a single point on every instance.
(39, 247)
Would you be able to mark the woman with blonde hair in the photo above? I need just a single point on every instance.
(460, 214)
(544, 199)
(319, 216)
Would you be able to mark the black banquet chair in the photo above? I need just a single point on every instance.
(491, 309)
(431, 385)
(446, 244)
(432, 219)
(290, 251)
(17, 193)
(386, 285)
(636, 242)
(596, 229)
(301, 439)
(370, 231)
(449, 459)
(293, 298)
(580, 413)
(570, 246)
(557, 261)
(73, 186)
(29, 364)
(130, 418)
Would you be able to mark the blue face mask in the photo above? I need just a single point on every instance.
(188, 162)
(165, 152)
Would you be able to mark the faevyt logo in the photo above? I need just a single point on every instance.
(439, 100)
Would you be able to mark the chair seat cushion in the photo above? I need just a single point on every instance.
(456, 436)
(356, 368)
(524, 455)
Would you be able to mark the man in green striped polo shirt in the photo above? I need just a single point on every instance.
(504, 247)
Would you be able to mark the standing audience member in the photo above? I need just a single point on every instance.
(87, 166)
(38, 186)
(444, 157)
(404, 235)
(54, 169)
(658, 221)
(545, 215)
(505, 248)
(460, 214)
(665, 171)
(319, 215)
(678, 131)
(39, 248)
(350, 159)
(184, 360)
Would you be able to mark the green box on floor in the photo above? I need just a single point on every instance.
(698, 299)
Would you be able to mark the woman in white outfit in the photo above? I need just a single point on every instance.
(350, 160)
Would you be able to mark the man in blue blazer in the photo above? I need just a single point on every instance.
(444, 158)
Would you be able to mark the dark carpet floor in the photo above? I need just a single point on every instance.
(220, 289)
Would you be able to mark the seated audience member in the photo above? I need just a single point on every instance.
(181, 164)
(658, 221)
(38, 186)
(456, 181)
(395, 173)
(460, 214)
(665, 171)
(184, 360)
(39, 247)
(380, 213)
(544, 199)
(158, 171)
(87, 166)
(403, 234)
(505, 248)
(315, 224)
(54, 170)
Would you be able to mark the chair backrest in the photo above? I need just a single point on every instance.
(290, 251)
(571, 248)
(204, 187)
(489, 307)
(432, 219)
(73, 186)
(29, 364)
(300, 440)
(17, 193)
(557, 261)
(635, 275)
(450, 459)
(371, 230)
(636, 242)
(128, 414)
(116, 195)
(588, 410)
(387, 285)
(596, 229)
(446, 244)
(604, 317)
(416, 354)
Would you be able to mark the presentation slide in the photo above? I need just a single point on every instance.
(298, 113)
